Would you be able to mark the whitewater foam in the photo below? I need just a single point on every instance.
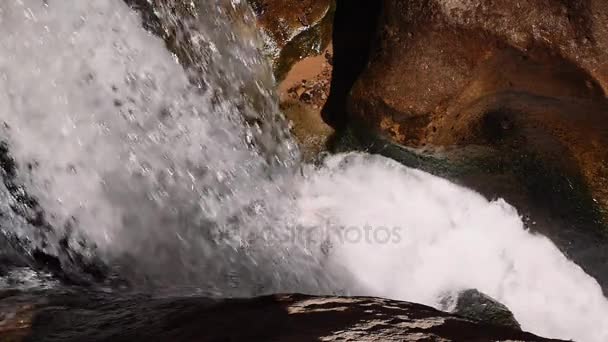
(451, 239)
(112, 138)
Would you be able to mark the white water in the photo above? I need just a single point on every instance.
(123, 147)
(152, 170)
(449, 239)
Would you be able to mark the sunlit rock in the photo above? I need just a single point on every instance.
(293, 29)
(526, 81)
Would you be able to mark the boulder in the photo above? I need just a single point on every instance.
(507, 98)
(480, 307)
(525, 81)
(80, 317)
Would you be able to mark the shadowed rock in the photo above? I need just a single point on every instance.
(273, 318)
(480, 307)
(506, 98)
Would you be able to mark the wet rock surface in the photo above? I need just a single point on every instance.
(302, 95)
(516, 78)
(475, 305)
(293, 30)
(506, 98)
(80, 317)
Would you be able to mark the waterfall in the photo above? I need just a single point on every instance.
(186, 176)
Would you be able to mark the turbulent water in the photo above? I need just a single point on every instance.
(123, 160)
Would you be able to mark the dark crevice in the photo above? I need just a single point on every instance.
(354, 30)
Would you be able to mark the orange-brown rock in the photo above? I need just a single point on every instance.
(520, 78)
(302, 95)
(293, 29)
(296, 35)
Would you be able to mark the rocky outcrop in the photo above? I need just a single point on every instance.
(293, 30)
(517, 78)
(303, 93)
(480, 307)
(273, 318)
(507, 98)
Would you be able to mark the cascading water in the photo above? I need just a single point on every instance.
(195, 183)
(110, 136)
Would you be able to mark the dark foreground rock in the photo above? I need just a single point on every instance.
(483, 308)
(273, 318)
(526, 81)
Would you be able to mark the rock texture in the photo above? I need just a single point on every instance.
(480, 307)
(297, 36)
(219, 45)
(293, 30)
(302, 94)
(526, 81)
(273, 318)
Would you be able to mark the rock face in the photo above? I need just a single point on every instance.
(273, 318)
(507, 98)
(297, 37)
(525, 81)
(302, 94)
(293, 29)
(353, 33)
(480, 307)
